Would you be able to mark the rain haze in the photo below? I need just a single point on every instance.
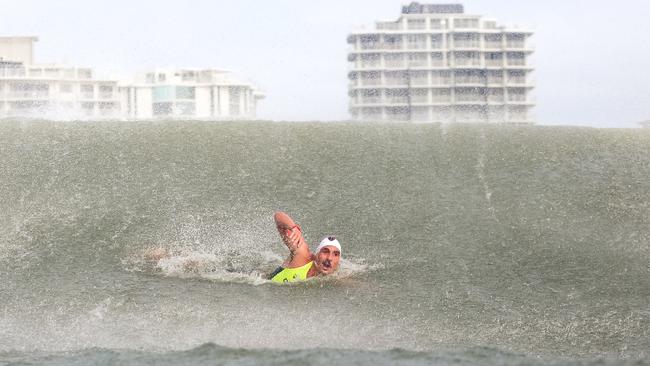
(590, 56)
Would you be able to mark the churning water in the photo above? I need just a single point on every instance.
(462, 244)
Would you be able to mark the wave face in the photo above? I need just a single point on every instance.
(531, 240)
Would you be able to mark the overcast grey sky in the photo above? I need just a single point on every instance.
(592, 58)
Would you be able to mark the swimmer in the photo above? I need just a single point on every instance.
(302, 263)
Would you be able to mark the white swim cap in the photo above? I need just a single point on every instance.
(328, 240)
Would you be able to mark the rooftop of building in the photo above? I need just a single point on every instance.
(417, 8)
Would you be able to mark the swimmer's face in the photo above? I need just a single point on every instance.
(327, 260)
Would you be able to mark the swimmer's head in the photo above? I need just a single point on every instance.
(328, 255)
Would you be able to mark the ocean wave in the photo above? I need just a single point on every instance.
(211, 354)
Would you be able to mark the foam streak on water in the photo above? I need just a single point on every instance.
(518, 245)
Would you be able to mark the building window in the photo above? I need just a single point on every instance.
(187, 75)
(235, 94)
(370, 60)
(184, 92)
(65, 88)
(370, 78)
(162, 93)
(440, 77)
(464, 23)
(29, 90)
(369, 41)
(389, 25)
(495, 77)
(84, 74)
(88, 108)
(107, 108)
(516, 40)
(516, 94)
(162, 109)
(468, 40)
(517, 77)
(87, 91)
(467, 58)
(493, 41)
(436, 41)
(185, 108)
(495, 95)
(393, 42)
(371, 96)
(397, 96)
(437, 59)
(162, 78)
(440, 95)
(489, 24)
(417, 41)
(105, 91)
(395, 78)
(516, 58)
(438, 23)
(417, 60)
(417, 24)
(394, 59)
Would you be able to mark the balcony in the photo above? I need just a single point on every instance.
(27, 95)
(467, 62)
(390, 26)
(496, 45)
(519, 80)
(467, 44)
(517, 98)
(472, 80)
(516, 62)
(370, 46)
(495, 80)
(497, 98)
(368, 64)
(419, 81)
(516, 44)
(441, 98)
(370, 82)
(418, 63)
(395, 63)
(440, 82)
(415, 98)
(393, 45)
(397, 100)
(493, 62)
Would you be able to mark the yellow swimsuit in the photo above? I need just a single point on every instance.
(282, 275)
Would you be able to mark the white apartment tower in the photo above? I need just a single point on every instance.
(437, 64)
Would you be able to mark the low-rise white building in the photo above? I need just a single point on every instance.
(196, 93)
(66, 92)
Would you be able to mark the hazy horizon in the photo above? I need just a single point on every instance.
(589, 59)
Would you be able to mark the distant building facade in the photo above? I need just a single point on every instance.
(64, 92)
(196, 93)
(437, 64)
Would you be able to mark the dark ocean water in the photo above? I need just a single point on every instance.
(462, 244)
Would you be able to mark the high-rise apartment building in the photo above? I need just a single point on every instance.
(437, 64)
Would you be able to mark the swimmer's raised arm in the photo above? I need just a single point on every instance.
(291, 235)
